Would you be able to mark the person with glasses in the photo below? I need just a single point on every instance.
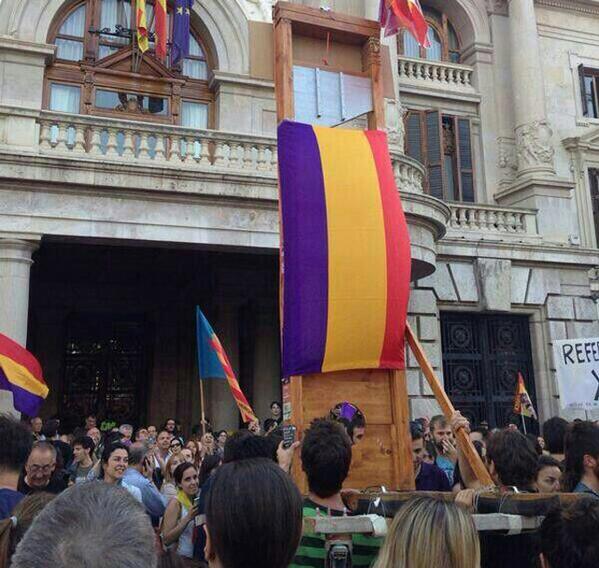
(177, 524)
(40, 471)
(176, 446)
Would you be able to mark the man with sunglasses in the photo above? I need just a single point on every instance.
(39, 471)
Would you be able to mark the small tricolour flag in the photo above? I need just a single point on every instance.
(522, 401)
(213, 363)
(21, 374)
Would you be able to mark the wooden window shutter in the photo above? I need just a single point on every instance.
(594, 184)
(464, 160)
(414, 135)
(435, 154)
(583, 91)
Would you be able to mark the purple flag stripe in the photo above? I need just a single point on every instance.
(305, 249)
(24, 401)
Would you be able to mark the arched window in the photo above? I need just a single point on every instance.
(443, 39)
(99, 70)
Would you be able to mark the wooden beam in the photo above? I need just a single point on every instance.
(464, 443)
(297, 419)
(284, 70)
(400, 432)
(371, 62)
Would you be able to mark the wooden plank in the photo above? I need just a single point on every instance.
(283, 49)
(464, 443)
(297, 419)
(371, 60)
(402, 450)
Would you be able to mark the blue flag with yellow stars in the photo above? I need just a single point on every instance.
(180, 46)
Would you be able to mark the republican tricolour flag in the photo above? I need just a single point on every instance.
(395, 14)
(213, 363)
(21, 374)
(522, 401)
(345, 256)
(142, 26)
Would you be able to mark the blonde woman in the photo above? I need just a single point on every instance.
(169, 488)
(428, 532)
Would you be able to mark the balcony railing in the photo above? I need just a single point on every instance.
(128, 142)
(153, 144)
(435, 74)
(493, 220)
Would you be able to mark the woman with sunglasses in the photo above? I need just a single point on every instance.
(176, 446)
(177, 524)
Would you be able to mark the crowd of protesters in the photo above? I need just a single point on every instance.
(148, 497)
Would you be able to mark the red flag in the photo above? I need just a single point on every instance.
(161, 28)
(408, 14)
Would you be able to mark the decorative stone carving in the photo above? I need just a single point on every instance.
(533, 143)
(259, 9)
(497, 7)
(506, 154)
(394, 115)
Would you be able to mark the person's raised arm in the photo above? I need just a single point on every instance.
(173, 524)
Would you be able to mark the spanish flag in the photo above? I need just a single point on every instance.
(408, 14)
(213, 363)
(21, 374)
(522, 402)
(345, 257)
(142, 26)
(161, 28)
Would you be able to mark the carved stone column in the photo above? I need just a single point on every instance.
(15, 266)
(533, 133)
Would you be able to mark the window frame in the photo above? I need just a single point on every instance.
(441, 27)
(583, 73)
(458, 167)
(92, 72)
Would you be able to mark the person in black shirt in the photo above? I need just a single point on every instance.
(40, 471)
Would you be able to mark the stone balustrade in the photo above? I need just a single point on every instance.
(154, 144)
(149, 144)
(439, 74)
(493, 220)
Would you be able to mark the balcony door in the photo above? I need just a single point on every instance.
(482, 355)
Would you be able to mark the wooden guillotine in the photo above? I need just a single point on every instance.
(309, 43)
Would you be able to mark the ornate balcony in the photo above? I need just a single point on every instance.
(435, 76)
(492, 222)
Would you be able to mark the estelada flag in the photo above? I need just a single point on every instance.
(213, 363)
(142, 26)
(21, 374)
(345, 255)
(522, 402)
(395, 14)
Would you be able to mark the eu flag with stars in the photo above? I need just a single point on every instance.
(180, 46)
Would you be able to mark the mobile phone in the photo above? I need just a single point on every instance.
(289, 435)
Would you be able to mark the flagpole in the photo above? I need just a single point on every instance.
(202, 404)
(522, 417)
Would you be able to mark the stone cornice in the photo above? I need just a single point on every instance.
(589, 7)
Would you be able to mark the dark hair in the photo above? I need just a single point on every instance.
(16, 444)
(50, 428)
(110, 448)
(547, 461)
(85, 442)
(581, 439)
(569, 535)
(416, 431)
(244, 445)
(326, 456)
(180, 470)
(554, 432)
(254, 515)
(208, 465)
(438, 419)
(221, 432)
(357, 420)
(534, 440)
(514, 457)
(431, 448)
(276, 402)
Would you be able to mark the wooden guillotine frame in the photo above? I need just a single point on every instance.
(386, 455)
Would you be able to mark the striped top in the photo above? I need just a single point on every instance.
(345, 255)
(311, 551)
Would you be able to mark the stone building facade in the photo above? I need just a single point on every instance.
(131, 192)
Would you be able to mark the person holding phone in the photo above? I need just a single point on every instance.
(178, 522)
